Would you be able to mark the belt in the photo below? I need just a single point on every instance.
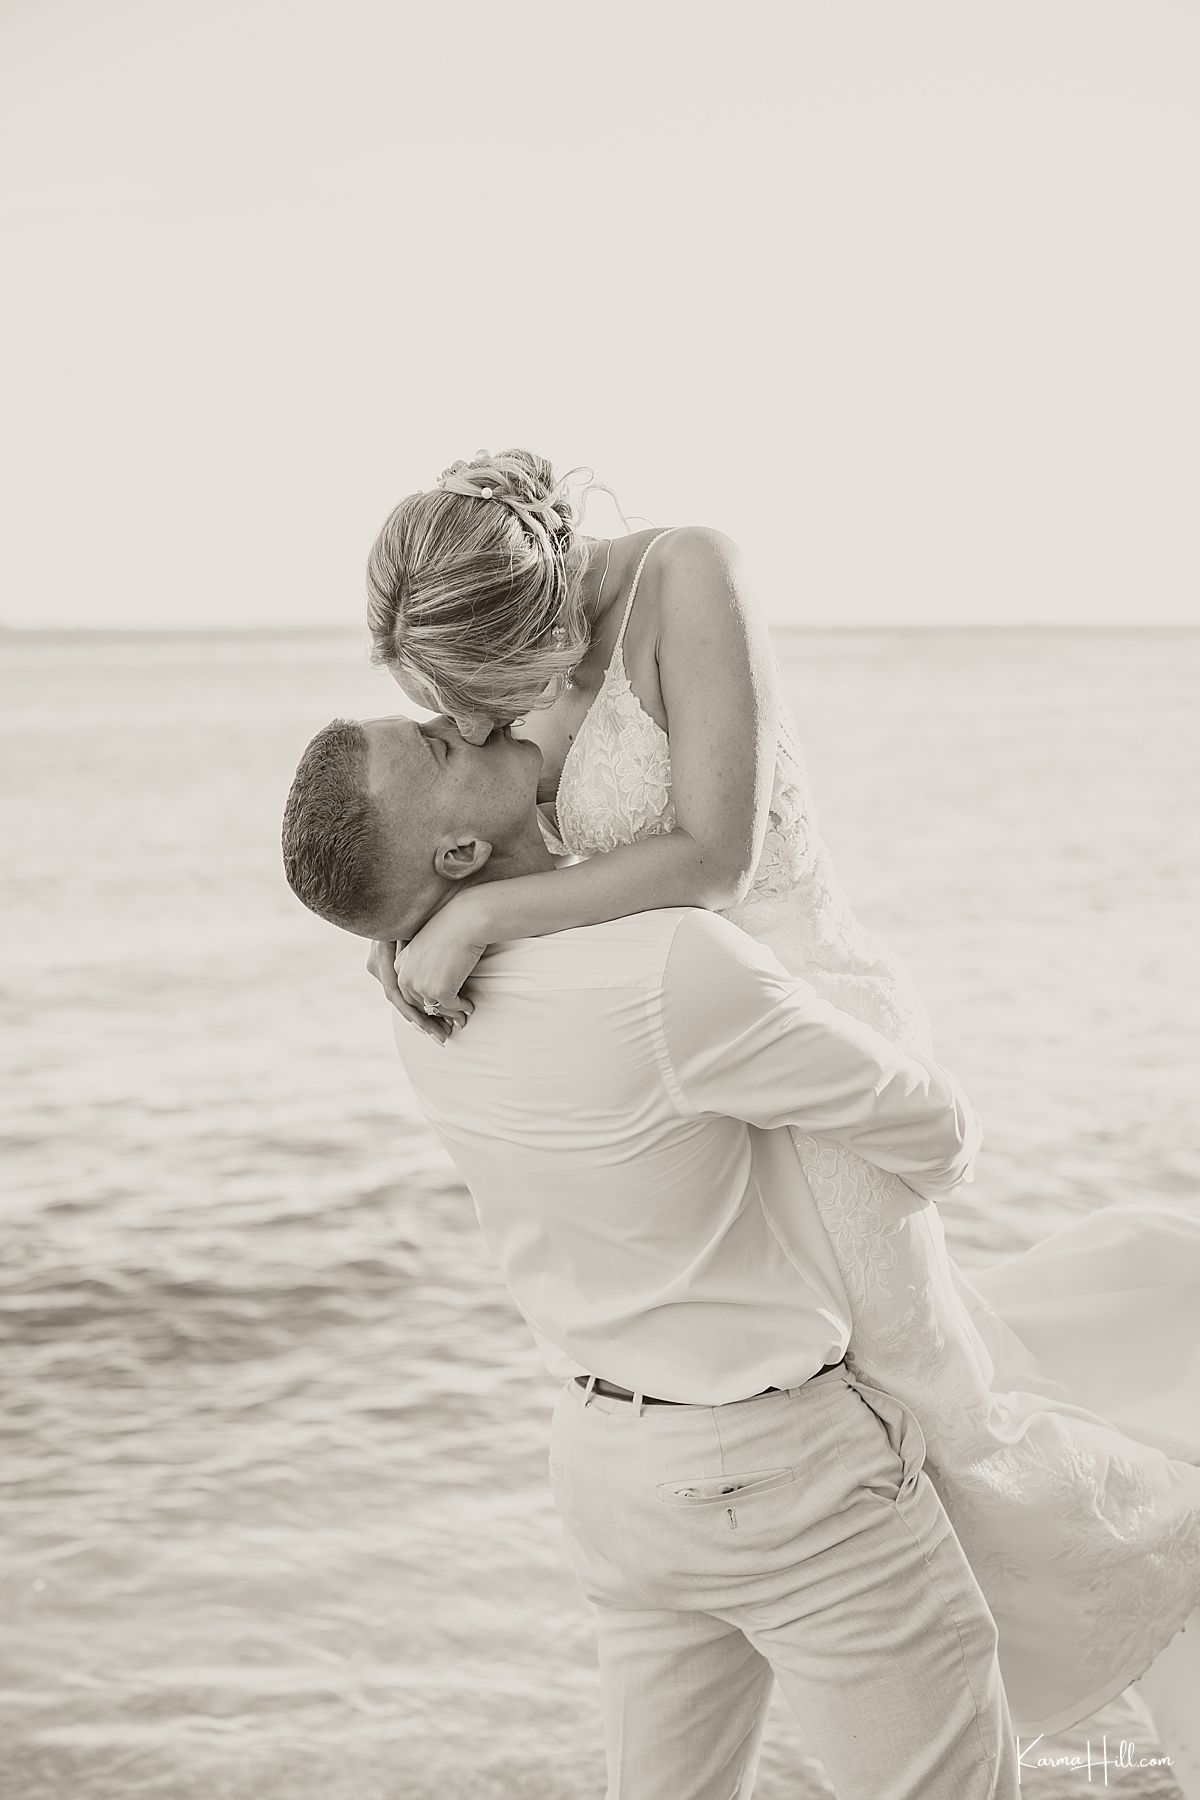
(613, 1392)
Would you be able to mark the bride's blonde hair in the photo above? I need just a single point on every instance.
(475, 586)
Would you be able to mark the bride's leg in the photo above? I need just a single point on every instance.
(1170, 1689)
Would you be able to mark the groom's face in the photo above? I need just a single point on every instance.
(439, 788)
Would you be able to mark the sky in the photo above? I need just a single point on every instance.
(901, 296)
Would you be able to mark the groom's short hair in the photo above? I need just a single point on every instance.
(334, 849)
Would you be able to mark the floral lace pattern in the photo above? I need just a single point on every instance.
(616, 781)
(1085, 1543)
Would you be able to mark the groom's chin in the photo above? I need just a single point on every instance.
(527, 760)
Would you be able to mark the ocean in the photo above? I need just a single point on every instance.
(272, 1467)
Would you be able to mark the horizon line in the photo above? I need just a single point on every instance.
(59, 633)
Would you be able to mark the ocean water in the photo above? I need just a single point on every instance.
(275, 1517)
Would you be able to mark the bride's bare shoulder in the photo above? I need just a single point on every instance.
(701, 552)
(694, 544)
(704, 572)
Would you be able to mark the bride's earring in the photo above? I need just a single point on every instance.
(558, 638)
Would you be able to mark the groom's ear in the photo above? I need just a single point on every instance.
(457, 858)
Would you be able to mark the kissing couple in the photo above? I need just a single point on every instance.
(697, 1109)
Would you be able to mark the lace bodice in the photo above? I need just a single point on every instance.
(615, 788)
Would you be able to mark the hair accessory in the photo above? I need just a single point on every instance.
(487, 492)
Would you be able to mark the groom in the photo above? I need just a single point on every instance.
(738, 1507)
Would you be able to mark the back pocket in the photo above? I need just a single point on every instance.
(718, 1490)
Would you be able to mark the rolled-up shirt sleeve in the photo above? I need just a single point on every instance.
(741, 1037)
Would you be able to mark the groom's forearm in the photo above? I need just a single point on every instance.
(902, 1112)
(954, 1141)
(741, 1037)
(804, 1064)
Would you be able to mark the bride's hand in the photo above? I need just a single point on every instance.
(381, 963)
(433, 966)
(423, 983)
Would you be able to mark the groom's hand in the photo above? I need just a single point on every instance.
(381, 963)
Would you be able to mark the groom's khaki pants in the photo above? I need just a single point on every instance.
(794, 1536)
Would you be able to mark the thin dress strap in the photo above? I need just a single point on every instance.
(633, 590)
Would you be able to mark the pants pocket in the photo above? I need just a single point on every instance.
(717, 1490)
(903, 1431)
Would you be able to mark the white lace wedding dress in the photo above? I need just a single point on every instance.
(1059, 1393)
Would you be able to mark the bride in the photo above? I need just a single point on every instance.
(1058, 1393)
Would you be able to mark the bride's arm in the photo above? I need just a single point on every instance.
(720, 691)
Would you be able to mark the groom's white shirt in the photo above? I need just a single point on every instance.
(617, 1105)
